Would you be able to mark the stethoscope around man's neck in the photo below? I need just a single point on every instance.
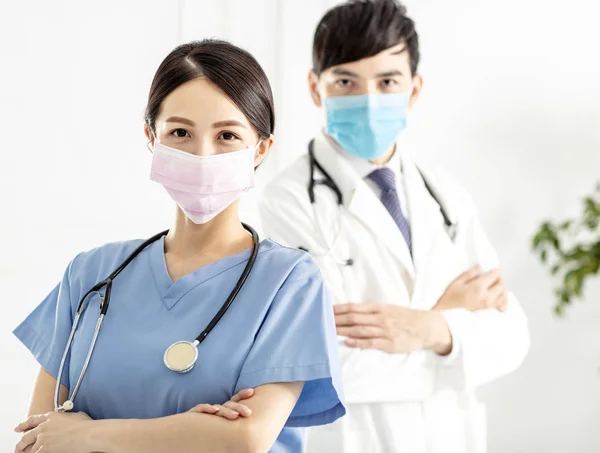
(328, 181)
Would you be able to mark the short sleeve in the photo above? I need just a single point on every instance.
(297, 342)
(46, 330)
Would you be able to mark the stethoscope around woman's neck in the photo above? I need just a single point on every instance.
(181, 356)
(328, 181)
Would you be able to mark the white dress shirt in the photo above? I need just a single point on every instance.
(364, 167)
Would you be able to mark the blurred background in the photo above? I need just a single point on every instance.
(510, 107)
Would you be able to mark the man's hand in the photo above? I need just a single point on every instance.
(391, 328)
(474, 290)
(230, 410)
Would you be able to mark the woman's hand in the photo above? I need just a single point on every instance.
(230, 410)
(66, 432)
(54, 432)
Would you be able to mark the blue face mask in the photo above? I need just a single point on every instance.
(367, 125)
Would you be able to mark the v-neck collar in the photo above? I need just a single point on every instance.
(171, 292)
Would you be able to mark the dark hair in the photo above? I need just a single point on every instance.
(233, 70)
(359, 29)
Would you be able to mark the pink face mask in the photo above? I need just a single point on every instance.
(203, 186)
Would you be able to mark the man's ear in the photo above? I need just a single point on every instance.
(417, 87)
(313, 88)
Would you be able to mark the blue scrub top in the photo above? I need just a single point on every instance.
(280, 328)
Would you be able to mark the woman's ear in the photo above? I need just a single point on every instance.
(149, 135)
(263, 150)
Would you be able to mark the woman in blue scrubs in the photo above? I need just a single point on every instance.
(209, 122)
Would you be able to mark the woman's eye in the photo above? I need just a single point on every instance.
(343, 82)
(228, 136)
(180, 133)
(389, 82)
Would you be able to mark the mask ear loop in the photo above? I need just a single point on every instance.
(149, 142)
(255, 148)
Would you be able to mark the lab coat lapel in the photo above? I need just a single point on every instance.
(424, 213)
(436, 259)
(361, 202)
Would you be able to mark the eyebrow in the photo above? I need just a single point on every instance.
(228, 123)
(178, 119)
(392, 73)
(345, 72)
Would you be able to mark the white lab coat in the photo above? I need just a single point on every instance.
(409, 403)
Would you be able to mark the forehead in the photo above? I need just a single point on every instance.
(202, 102)
(395, 58)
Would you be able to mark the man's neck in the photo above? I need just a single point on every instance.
(386, 157)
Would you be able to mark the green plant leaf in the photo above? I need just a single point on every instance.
(573, 282)
(591, 213)
(581, 261)
(540, 236)
(559, 310)
(565, 225)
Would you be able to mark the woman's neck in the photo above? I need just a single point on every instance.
(223, 235)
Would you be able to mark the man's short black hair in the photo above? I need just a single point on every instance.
(360, 29)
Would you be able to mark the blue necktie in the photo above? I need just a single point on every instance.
(386, 181)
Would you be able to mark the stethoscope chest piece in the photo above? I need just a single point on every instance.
(181, 356)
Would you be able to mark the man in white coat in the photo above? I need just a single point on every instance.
(421, 309)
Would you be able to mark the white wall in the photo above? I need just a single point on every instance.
(510, 107)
